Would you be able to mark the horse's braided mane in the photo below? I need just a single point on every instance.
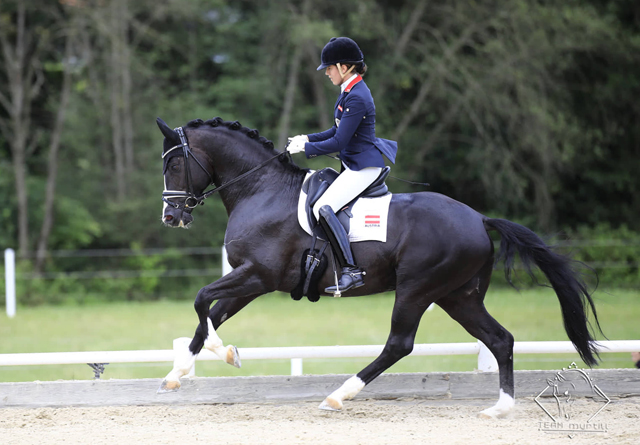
(237, 126)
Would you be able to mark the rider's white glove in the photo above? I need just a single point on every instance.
(296, 143)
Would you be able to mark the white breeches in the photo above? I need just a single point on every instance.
(348, 185)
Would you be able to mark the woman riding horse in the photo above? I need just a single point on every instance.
(354, 137)
(438, 250)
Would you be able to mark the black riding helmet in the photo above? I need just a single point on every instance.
(340, 50)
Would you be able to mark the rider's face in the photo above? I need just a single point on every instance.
(334, 74)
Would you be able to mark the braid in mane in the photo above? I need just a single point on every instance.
(250, 133)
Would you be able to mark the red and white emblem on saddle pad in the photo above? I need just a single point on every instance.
(369, 222)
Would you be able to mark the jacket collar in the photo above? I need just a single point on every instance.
(348, 88)
(354, 81)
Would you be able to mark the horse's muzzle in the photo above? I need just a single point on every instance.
(176, 218)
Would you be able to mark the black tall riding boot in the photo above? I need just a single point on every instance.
(352, 275)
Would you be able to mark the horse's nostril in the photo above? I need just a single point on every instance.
(168, 218)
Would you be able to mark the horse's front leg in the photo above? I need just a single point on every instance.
(241, 282)
(186, 355)
(237, 292)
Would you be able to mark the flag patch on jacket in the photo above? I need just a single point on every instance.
(340, 107)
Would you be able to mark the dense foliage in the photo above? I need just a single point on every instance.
(524, 109)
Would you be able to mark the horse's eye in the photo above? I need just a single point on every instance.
(175, 168)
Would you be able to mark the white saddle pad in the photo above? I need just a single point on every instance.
(370, 217)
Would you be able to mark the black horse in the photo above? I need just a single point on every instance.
(438, 251)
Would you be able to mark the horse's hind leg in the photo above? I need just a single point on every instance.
(404, 325)
(186, 357)
(466, 306)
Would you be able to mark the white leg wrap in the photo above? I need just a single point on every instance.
(500, 409)
(347, 391)
(214, 344)
(182, 365)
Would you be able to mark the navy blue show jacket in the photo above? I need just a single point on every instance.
(353, 135)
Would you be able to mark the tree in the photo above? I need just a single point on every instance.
(28, 35)
(24, 80)
(521, 109)
(54, 145)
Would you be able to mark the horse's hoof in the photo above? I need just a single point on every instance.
(491, 414)
(330, 404)
(233, 358)
(168, 386)
(501, 409)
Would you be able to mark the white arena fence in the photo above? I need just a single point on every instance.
(486, 361)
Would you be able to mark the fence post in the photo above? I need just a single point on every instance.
(486, 361)
(296, 366)
(10, 281)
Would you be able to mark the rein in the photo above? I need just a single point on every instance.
(191, 199)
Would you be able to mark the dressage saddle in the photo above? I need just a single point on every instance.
(319, 182)
(314, 262)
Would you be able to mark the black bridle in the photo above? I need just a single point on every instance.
(191, 200)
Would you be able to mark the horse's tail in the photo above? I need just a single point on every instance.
(571, 290)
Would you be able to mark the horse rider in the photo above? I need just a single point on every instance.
(353, 137)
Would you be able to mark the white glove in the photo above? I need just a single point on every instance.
(296, 143)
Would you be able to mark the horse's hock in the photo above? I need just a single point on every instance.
(615, 383)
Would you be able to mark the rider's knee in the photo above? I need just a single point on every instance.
(321, 209)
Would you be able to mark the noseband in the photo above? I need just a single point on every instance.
(192, 200)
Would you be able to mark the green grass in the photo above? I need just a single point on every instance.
(276, 320)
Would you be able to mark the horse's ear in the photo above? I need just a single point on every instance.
(166, 131)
